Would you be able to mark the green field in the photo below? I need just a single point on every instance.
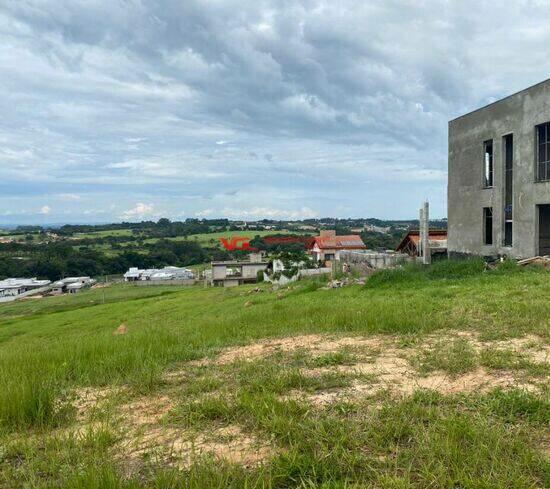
(432, 377)
(104, 234)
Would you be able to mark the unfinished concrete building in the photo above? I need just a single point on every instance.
(499, 177)
(232, 273)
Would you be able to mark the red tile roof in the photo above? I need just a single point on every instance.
(350, 242)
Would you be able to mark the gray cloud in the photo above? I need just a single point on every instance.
(339, 108)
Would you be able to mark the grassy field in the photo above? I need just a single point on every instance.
(431, 377)
(104, 234)
(100, 295)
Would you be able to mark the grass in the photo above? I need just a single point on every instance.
(50, 348)
(103, 234)
(47, 305)
(456, 357)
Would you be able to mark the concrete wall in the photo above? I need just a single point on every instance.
(219, 272)
(311, 272)
(251, 271)
(374, 259)
(517, 115)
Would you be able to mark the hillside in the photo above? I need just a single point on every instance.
(431, 377)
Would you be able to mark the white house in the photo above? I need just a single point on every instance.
(135, 274)
(15, 288)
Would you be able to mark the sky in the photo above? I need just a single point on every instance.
(131, 110)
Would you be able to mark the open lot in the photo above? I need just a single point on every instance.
(421, 378)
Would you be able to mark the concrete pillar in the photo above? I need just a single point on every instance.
(425, 233)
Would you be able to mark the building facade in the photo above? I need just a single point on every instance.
(499, 177)
(232, 273)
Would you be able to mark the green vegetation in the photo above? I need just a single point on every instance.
(106, 250)
(313, 413)
(109, 249)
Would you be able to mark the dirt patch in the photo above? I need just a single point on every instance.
(146, 410)
(315, 344)
(387, 363)
(122, 329)
(143, 436)
(530, 346)
(180, 448)
(391, 368)
(90, 398)
(394, 375)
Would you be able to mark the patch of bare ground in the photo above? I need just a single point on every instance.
(530, 345)
(394, 375)
(143, 436)
(313, 343)
(146, 410)
(180, 448)
(88, 399)
(387, 367)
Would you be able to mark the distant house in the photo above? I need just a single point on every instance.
(437, 239)
(327, 245)
(15, 288)
(71, 285)
(135, 274)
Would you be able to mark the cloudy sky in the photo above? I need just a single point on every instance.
(137, 109)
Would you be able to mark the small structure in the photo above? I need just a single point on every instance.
(16, 288)
(437, 239)
(71, 285)
(159, 275)
(232, 273)
(327, 246)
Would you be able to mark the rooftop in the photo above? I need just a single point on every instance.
(351, 241)
(11, 283)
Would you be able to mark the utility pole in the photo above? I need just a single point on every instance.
(424, 241)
